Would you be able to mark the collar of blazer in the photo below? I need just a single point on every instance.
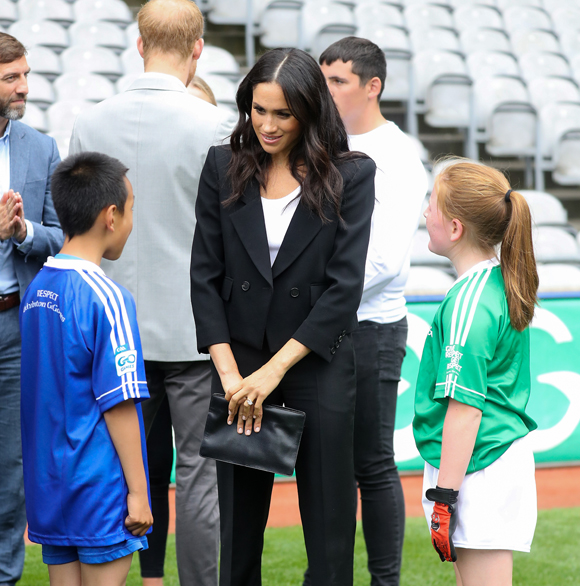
(167, 83)
(248, 221)
(19, 155)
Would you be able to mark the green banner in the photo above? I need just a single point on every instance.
(555, 396)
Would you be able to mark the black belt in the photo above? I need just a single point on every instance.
(9, 301)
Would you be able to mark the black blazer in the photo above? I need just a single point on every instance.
(312, 291)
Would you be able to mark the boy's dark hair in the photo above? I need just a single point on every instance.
(83, 185)
(368, 60)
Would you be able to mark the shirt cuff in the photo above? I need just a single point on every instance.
(26, 245)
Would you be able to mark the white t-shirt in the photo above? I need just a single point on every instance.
(278, 214)
(400, 187)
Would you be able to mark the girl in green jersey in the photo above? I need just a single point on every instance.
(474, 380)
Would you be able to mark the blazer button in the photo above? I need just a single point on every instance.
(245, 286)
(333, 350)
(294, 292)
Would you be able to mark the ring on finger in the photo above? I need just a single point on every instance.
(249, 402)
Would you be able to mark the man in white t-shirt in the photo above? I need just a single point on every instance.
(355, 70)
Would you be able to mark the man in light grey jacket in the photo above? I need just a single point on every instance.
(162, 134)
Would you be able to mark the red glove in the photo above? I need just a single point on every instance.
(443, 521)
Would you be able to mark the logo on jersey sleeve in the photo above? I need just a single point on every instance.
(455, 355)
(125, 360)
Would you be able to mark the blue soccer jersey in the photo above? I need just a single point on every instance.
(81, 355)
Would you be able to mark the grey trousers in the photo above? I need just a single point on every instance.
(188, 388)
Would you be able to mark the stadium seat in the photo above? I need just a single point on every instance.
(545, 90)
(328, 35)
(373, 13)
(491, 91)
(503, 4)
(557, 119)
(512, 132)
(131, 61)
(280, 24)
(125, 81)
(570, 43)
(458, 3)
(235, 11)
(387, 38)
(8, 12)
(217, 60)
(575, 67)
(434, 38)
(541, 63)
(58, 10)
(422, 256)
(445, 3)
(83, 86)
(112, 10)
(427, 15)
(44, 61)
(40, 90)
(91, 60)
(555, 245)
(132, 34)
(35, 118)
(487, 63)
(567, 18)
(62, 138)
(98, 33)
(546, 209)
(62, 115)
(428, 65)
(566, 161)
(448, 101)
(40, 32)
(526, 18)
(524, 40)
(484, 16)
(555, 277)
(484, 39)
(552, 5)
(223, 89)
(317, 16)
(428, 281)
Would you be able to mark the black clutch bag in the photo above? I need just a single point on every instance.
(273, 449)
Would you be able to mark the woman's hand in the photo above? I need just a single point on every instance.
(246, 399)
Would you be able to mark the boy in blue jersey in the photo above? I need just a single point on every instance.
(86, 486)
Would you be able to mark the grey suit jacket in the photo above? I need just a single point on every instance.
(33, 159)
(162, 134)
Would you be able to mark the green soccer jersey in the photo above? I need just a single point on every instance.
(474, 355)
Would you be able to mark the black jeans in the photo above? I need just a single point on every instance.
(379, 350)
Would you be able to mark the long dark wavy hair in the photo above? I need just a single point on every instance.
(322, 145)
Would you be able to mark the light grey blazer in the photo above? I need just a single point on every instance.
(162, 134)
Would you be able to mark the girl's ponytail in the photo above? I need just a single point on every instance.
(518, 263)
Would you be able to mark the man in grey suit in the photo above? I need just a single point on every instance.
(29, 233)
(162, 134)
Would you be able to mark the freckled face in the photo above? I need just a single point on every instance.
(275, 126)
(438, 226)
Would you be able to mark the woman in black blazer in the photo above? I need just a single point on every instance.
(275, 310)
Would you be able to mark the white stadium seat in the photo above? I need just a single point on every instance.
(111, 10)
(492, 91)
(44, 61)
(62, 115)
(132, 34)
(374, 13)
(98, 33)
(566, 18)
(318, 15)
(503, 4)
(575, 67)
(552, 5)
(546, 209)
(217, 60)
(566, 164)
(416, 2)
(512, 130)
(484, 39)
(557, 119)
(554, 244)
(8, 12)
(235, 11)
(223, 89)
(83, 86)
(81, 59)
(131, 61)
(40, 90)
(541, 63)
(57, 10)
(487, 63)
(40, 32)
(280, 24)
(526, 18)
(386, 37)
(524, 40)
(459, 3)
(427, 15)
(556, 277)
(570, 43)
(434, 38)
(428, 65)
(483, 16)
(35, 118)
(545, 90)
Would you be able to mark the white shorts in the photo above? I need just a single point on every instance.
(497, 506)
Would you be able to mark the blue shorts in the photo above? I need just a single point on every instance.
(55, 555)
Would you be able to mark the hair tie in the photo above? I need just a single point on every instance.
(507, 195)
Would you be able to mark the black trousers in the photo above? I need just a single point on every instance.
(380, 349)
(324, 473)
